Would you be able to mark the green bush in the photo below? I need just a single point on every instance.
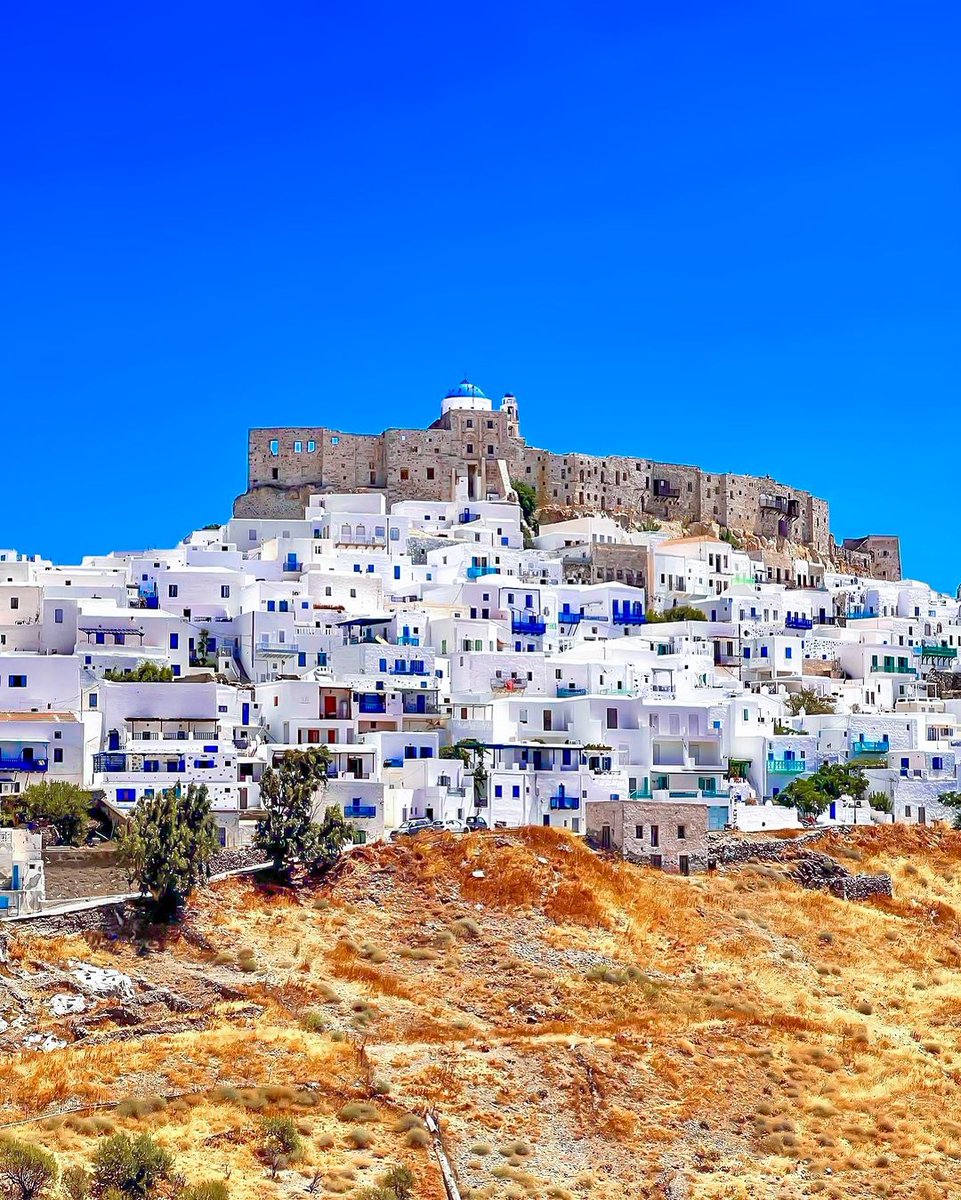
(132, 1167)
(26, 1172)
(280, 1142)
(210, 1189)
(76, 1183)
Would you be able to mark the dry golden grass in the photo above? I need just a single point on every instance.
(624, 1027)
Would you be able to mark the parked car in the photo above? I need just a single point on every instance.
(451, 826)
(411, 828)
(475, 823)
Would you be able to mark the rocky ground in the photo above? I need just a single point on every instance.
(581, 1027)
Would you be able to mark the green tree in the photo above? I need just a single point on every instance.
(683, 612)
(26, 1172)
(203, 643)
(144, 672)
(813, 703)
(65, 806)
(167, 845)
(130, 1167)
(814, 793)
(527, 499)
(288, 833)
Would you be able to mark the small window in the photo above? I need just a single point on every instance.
(58, 616)
(225, 591)
(430, 472)
(172, 589)
(335, 441)
(682, 832)
(298, 447)
(655, 835)
(311, 447)
(17, 681)
(639, 832)
(274, 446)
(14, 601)
(58, 754)
(404, 474)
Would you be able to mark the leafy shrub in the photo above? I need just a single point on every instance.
(313, 1021)
(280, 1143)
(76, 1183)
(210, 1189)
(465, 927)
(132, 1167)
(26, 1172)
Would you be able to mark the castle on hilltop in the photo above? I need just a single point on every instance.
(475, 451)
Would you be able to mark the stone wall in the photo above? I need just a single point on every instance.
(286, 464)
(807, 867)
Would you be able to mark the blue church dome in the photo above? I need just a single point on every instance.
(465, 388)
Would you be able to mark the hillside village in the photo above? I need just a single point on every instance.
(645, 882)
(463, 666)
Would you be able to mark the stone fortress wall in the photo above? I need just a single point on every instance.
(464, 453)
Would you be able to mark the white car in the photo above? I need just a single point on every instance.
(451, 826)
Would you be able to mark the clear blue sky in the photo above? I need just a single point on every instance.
(718, 233)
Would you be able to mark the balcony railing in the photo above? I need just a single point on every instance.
(22, 764)
(465, 517)
(373, 704)
(643, 793)
(478, 572)
(531, 626)
(786, 766)
(412, 668)
(798, 623)
(278, 649)
(860, 614)
(622, 617)
(419, 706)
(934, 652)
(564, 693)
(360, 812)
(407, 639)
(569, 618)
(457, 792)
(565, 803)
(890, 667)
(863, 746)
(369, 539)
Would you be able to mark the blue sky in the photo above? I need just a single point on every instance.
(720, 233)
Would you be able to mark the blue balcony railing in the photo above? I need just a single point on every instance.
(531, 626)
(798, 623)
(863, 746)
(278, 648)
(465, 517)
(408, 668)
(569, 618)
(22, 764)
(622, 617)
(394, 762)
(565, 803)
(477, 572)
(373, 704)
(786, 766)
(860, 614)
(563, 693)
(407, 639)
(360, 812)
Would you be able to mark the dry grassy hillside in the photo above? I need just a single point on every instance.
(583, 1028)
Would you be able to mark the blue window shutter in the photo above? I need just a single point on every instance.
(174, 641)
